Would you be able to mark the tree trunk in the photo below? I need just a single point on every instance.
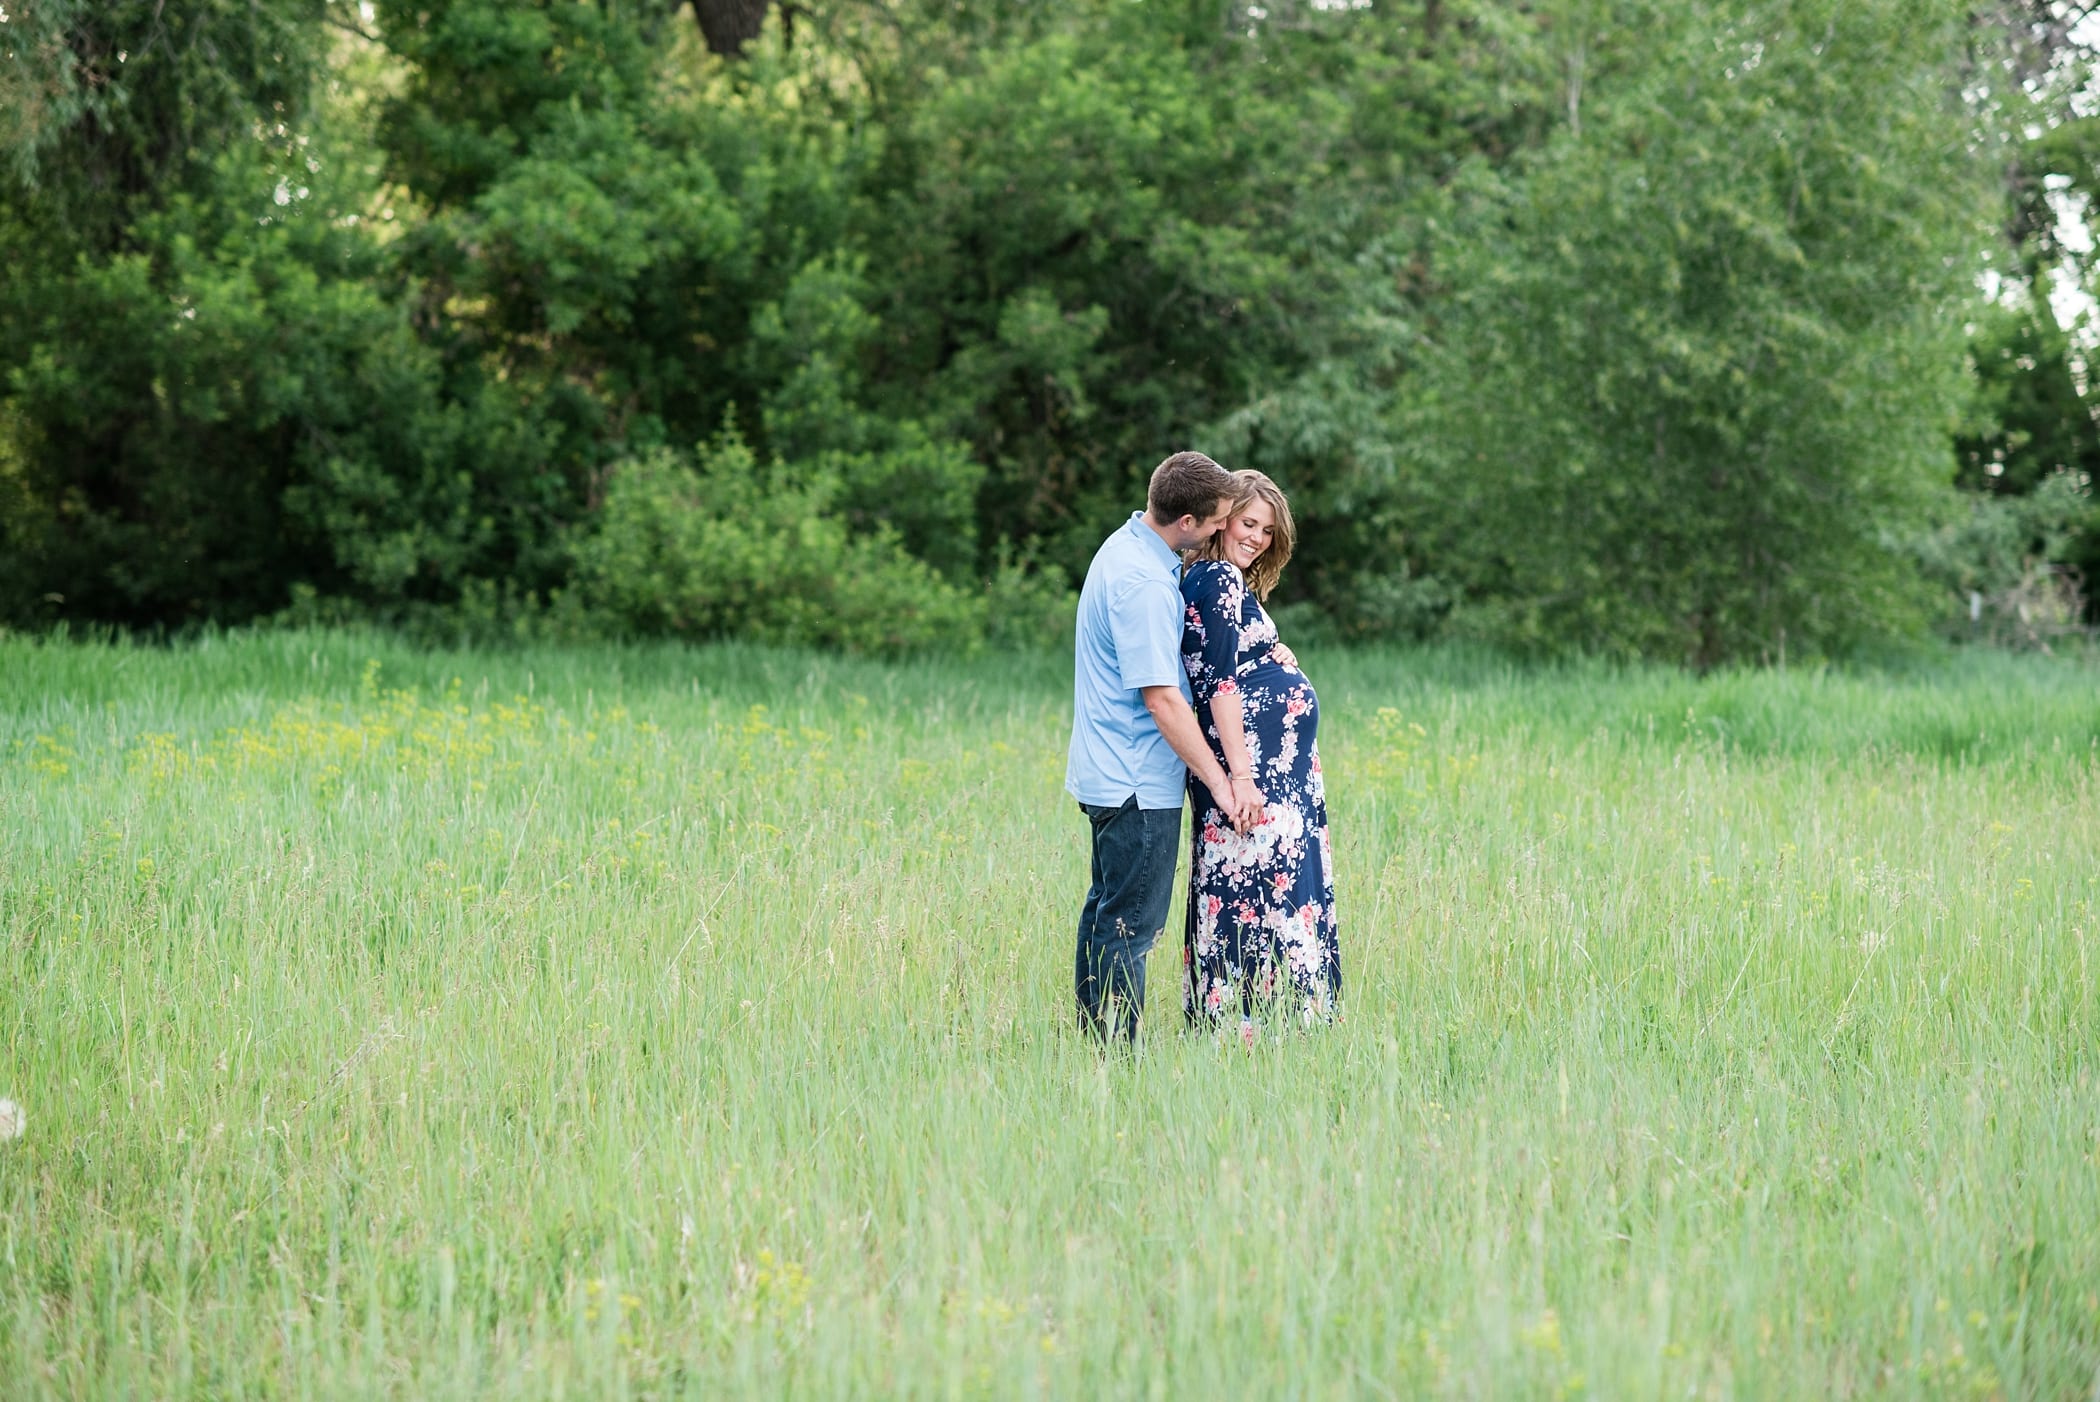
(728, 25)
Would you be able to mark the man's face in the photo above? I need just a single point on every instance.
(1189, 532)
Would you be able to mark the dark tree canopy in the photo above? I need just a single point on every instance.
(1628, 326)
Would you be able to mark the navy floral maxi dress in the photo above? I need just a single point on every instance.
(1261, 924)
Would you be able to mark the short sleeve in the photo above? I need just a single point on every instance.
(1144, 622)
(1210, 640)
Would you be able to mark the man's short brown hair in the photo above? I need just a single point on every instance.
(1187, 484)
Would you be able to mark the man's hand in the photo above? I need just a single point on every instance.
(1177, 722)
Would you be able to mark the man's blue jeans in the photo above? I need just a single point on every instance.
(1134, 851)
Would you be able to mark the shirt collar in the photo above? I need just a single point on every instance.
(1160, 549)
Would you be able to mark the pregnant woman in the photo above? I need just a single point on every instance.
(1261, 940)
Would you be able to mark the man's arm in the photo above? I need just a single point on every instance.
(1177, 722)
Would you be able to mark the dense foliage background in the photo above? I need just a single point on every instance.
(1707, 331)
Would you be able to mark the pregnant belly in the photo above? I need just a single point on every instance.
(1282, 693)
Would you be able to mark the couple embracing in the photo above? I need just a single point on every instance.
(1182, 686)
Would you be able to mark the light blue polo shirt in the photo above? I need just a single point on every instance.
(1129, 637)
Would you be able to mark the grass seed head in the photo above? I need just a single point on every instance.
(12, 1120)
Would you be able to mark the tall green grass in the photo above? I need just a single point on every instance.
(694, 1023)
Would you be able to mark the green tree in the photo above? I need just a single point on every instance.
(2031, 420)
(2033, 425)
(172, 313)
(1690, 383)
(1098, 237)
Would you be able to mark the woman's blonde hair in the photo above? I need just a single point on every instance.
(1267, 568)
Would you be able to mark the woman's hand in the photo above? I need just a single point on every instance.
(1242, 800)
(1247, 802)
(1285, 656)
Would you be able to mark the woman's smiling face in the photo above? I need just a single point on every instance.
(1248, 532)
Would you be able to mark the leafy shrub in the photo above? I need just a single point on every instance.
(1029, 605)
(728, 547)
(2002, 562)
(889, 471)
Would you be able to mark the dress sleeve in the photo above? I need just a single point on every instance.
(1210, 638)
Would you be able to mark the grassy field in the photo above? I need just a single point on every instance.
(675, 1023)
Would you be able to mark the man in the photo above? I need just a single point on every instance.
(1135, 736)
